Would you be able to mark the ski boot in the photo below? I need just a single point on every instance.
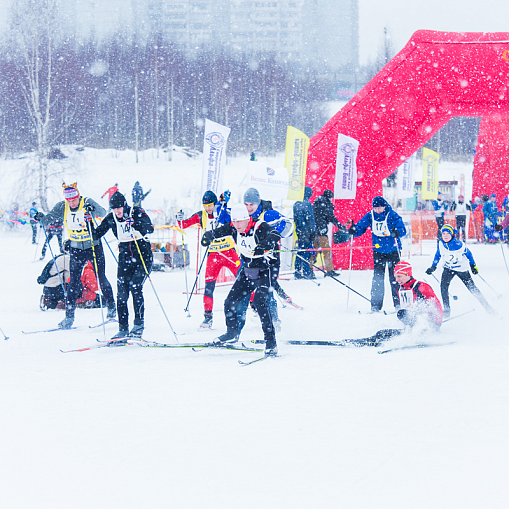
(112, 313)
(123, 332)
(207, 322)
(230, 336)
(66, 323)
(271, 349)
(137, 331)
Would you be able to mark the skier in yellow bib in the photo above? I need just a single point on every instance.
(77, 214)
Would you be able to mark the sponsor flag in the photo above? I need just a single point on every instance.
(345, 184)
(272, 183)
(296, 158)
(214, 156)
(406, 178)
(430, 161)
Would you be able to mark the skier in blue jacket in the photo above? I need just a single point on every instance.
(386, 228)
(457, 260)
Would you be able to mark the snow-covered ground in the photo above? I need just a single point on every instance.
(318, 427)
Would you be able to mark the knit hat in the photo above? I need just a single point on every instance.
(71, 191)
(252, 196)
(449, 229)
(117, 200)
(403, 268)
(493, 195)
(328, 194)
(239, 212)
(379, 201)
(209, 198)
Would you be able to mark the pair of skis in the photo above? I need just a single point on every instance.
(113, 320)
(153, 344)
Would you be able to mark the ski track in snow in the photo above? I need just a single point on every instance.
(319, 427)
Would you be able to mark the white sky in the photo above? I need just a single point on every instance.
(401, 17)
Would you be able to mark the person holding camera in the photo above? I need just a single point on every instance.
(77, 213)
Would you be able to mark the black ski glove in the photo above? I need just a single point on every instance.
(498, 227)
(89, 207)
(352, 230)
(395, 234)
(431, 270)
(38, 216)
(207, 238)
(474, 269)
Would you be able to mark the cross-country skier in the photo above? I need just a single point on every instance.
(419, 307)
(386, 229)
(259, 209)
(110, 192)
(256, 242)
(138, 195)
(76, 212)
(130, 226)
(457, 259)
(33, 223)
(53, 229)
(221, 252)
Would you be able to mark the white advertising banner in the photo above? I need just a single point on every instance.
(406, 178)
(214, 156)
(272, 183)
(345, 184)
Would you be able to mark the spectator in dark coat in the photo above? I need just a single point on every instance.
(305, 227)
(324, 214)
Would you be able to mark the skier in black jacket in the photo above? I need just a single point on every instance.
(255, 241)
(130, 226)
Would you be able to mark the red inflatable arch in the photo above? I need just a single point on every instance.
(491, 161)
(435, 77)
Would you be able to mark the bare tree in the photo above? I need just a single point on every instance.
(34, 25)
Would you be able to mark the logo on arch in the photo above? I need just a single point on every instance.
(271, 172)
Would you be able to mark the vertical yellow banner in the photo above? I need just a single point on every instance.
(429, 174)
(296, 158)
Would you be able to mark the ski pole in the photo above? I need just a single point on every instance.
(5, 337)
(505, 261)
(499, 295)
(196, 280)
(185, 271)
(333, 277)
(107, 243)
(457, 316)
(153, 288)
(55, 262)
(349, 270)
(455, 297)
(97, 276)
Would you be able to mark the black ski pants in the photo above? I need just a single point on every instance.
(79, 258)
(242, 288)
(49, 235)
(380, 260)
(130, 279)
(466, 278)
